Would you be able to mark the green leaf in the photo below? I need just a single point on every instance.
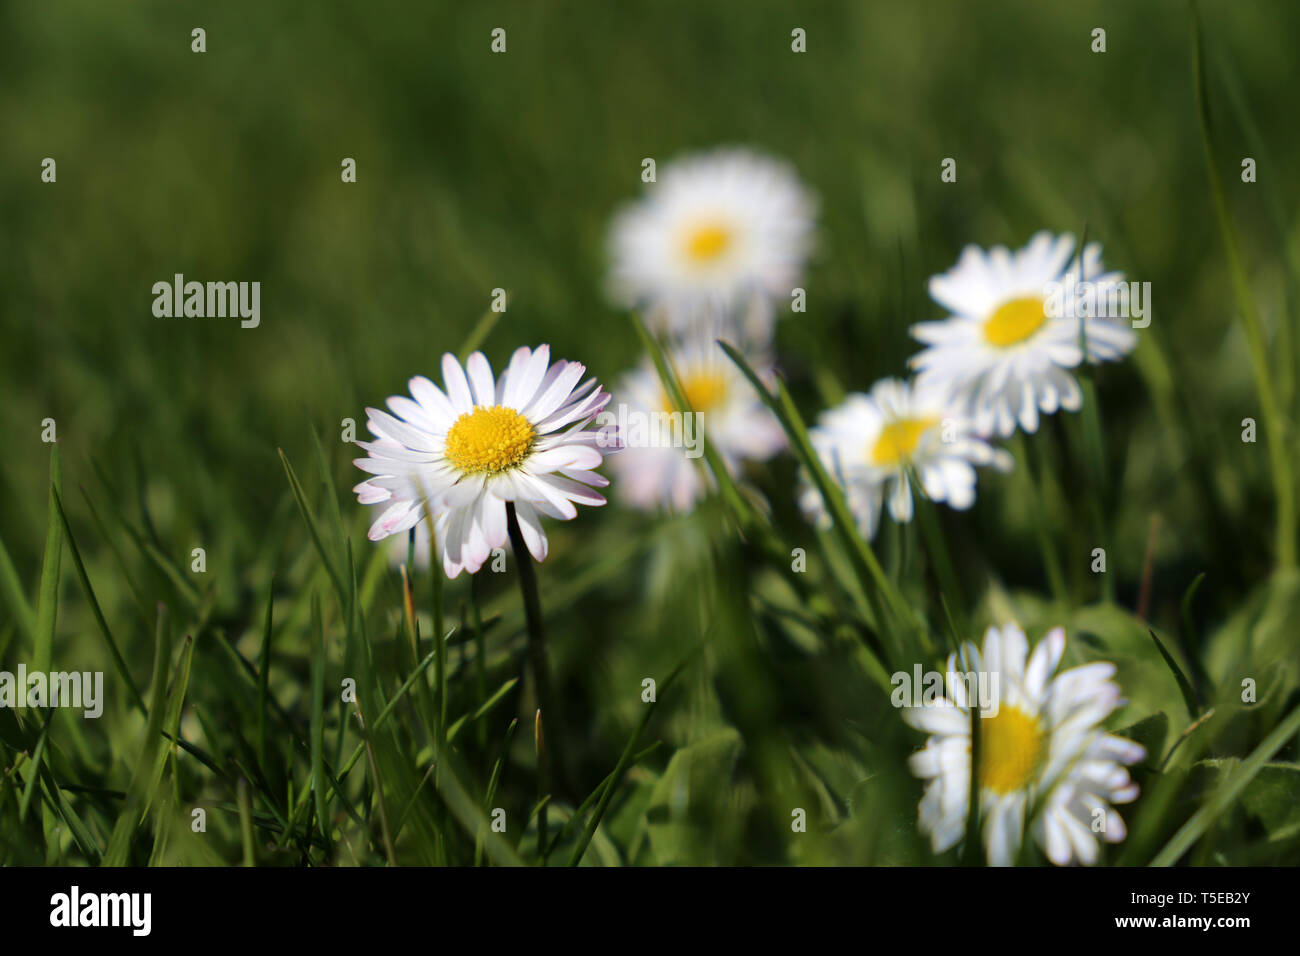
(1274, 798)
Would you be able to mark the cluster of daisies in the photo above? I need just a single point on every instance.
(1001, 359)
(715, 249)
(712, 251)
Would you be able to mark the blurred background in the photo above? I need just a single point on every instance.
(478, 170)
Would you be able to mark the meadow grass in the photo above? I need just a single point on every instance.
(321, 706)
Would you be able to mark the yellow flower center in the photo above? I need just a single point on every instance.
(707, 243)
(489, 440)
(704, 390)
(898, 440)
(1014, 321)
(1011, 750)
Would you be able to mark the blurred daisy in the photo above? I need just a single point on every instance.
(869, 443)
(723, 232)
(658, 466)
(460, 455)
(1007, 348)
(1041, 746)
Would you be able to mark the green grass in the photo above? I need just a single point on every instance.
(231, 690)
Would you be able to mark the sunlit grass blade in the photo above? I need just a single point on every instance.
(98, 613)
(380, 798)
(12, 589)
(119, 843)
(34, 773)
(304, 507)
(263, 674)
(494, 781)
(484, 709)
(318, 719)
(1190, 636)
(471, 816)
(595, 795)
(478, 335)
(47, 606)
(726, 485)
(875, 582)
(245, 822)
(331, 493)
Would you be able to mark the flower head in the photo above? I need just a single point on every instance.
(1041, 745)
(722, 233)
(461, 454)
(1006, 349)
(658, 466)
(870, 442)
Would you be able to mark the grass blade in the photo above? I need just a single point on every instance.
(47, 606)
(1228, 791)
(1275, 426)
(84, 578)
(1184, 685)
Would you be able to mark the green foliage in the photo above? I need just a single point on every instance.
(227, 689)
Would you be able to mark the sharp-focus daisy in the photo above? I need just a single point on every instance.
(658, 466)
(1042, 750)
(869, 443)
(460, 455)
(1013, 334)
(726, 231)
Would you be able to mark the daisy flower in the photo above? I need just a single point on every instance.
(459, 455)
(658, 467)
(1041, 746)
(726, 231)
(1008, 346)
(869, 443)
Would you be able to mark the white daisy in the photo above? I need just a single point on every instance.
(658, 466)
(726, 231)
(869, 442)
(1041, 748)
(460, 455)
(1006, 350)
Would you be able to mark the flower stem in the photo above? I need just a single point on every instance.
(553, 755)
